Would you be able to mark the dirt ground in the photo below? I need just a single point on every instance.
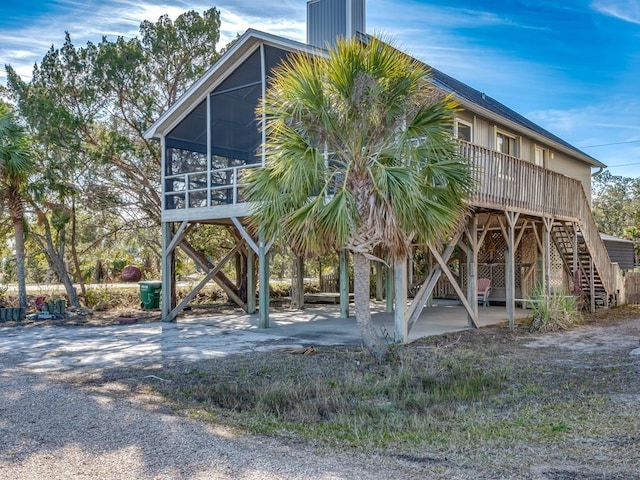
(114, 316)
(569, 409)
(578, 422)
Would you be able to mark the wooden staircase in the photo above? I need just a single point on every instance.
(578, 262)
(511, 184)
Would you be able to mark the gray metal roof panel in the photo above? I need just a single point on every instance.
(463, 90)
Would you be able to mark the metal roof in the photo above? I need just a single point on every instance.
(611, 238)
(469, 98)
(486, 102)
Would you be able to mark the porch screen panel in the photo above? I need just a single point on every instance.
(273, 56)
(235, 129)
(186, 161)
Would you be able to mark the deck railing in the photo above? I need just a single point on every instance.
(197, 189)
(504, 182)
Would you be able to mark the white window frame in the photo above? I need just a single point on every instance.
(466, 124)
(504, 133)
(536, 149)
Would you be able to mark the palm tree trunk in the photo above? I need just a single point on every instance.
(16, 212)
(18, 231)
(361, 289)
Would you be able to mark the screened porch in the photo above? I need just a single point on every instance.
(206, 153)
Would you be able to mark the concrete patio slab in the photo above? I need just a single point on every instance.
(60, 348)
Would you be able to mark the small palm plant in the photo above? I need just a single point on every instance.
(16, 164)
(359, 157)
(558, 311)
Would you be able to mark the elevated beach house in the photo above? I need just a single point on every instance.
(530, 225)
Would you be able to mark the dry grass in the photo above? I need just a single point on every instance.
(473, 389)
(484, 404)
(560, 312)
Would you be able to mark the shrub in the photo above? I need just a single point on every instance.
(560, 312)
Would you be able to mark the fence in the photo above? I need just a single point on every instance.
(632, 288)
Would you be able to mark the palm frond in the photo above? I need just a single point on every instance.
(16, 162)
(359, 153)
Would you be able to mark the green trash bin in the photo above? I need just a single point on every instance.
(150, 294)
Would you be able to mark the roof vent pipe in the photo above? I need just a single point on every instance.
(328, 20)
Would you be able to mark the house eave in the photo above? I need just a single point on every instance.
(216, 73)
(492, 116)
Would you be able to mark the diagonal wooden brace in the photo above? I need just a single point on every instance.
(185, 301)
(219, 277)
(427, 287)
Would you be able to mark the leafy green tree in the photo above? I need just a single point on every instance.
(616, 206)
(87, 109)
(615, 203)
(96, 102)
(15, 166)
(60, 104)
(359, 157)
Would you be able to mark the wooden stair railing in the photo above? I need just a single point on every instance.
(504, 182)
(566, 238)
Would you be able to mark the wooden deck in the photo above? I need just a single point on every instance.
(513, 191)
(508, 183)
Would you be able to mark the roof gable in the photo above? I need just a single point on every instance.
(217, 73)
(469, 97)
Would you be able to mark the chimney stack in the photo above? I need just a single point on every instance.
(328, 20)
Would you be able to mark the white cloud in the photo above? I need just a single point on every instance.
(603, 130)
(400, 14)
(617, 116)
(626, 10)
(233, 23)
(26, 44)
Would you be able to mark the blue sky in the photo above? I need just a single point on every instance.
(571, 66)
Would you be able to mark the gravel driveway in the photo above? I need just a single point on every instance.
(53, 428)
(50, 429)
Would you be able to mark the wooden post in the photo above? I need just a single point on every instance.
(379, 283)
(297, 282)
(510, 267)
(575, 258)
(546, 240)
(238, 270)
(251, 282)
(472, 269)
(410, 269)
(592, 285)
(401, 331)
(388, 290)
(344, 284)
(263, 279)
(168, 275)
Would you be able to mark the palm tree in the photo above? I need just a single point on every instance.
(359, 157)
(15, 166)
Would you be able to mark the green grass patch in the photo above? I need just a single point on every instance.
(469, 394)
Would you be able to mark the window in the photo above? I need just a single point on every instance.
(463, 131)
(506, 144)
(539, 157)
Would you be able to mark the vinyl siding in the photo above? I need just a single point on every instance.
(484, 135)
(571, 168)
